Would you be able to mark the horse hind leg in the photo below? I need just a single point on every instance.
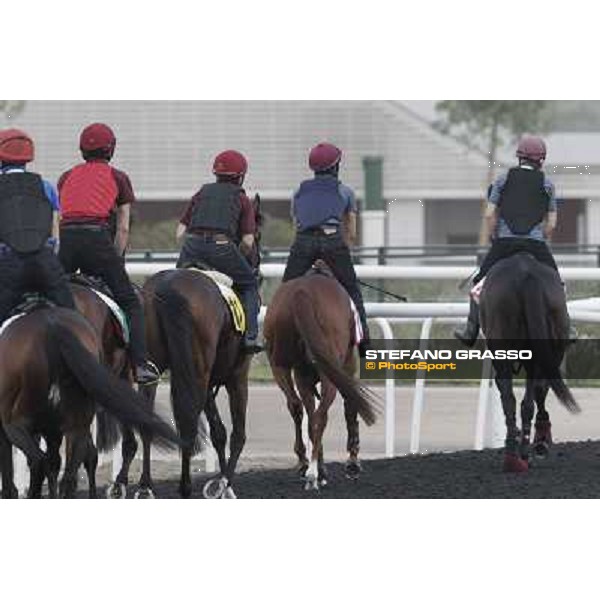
(76, 445)
(53, 442)
(512, 462)
(90, 463)
(527, 409)
(542, 439)
(316, 475)
(9, 489)
(283, 378)
(145, 489)
(352, 467)
(19, 436)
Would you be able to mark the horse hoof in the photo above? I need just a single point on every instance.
(514, 464)
(229, 494)
(301, 469)
(116, 491)
(541, 450)
(215, 488)
(11, 493)
(311, 485)
(144, 493)
(352, 469)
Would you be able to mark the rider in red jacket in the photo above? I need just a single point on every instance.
(90, 193)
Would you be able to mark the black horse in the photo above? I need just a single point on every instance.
(523, 307)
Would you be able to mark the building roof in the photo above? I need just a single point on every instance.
(168, 146)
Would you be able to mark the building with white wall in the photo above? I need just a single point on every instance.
(432, 184)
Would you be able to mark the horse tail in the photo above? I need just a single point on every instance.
(308, 326)
(106, 389)
(187, 399)
(545, 349)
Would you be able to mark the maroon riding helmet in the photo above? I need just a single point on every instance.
(97, 137)
(230, 163)
(16, 147)
(531, 148)
(323, 157)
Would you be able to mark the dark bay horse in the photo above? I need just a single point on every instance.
(523, 307)
(190, 332)
(58, 347)
(115, 357)
(308, 334)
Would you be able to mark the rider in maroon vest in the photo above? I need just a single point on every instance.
(91, 193)
(219, 226)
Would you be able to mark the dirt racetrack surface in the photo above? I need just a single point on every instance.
(571, 471)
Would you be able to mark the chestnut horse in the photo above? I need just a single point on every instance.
(308, 334)
(58, 347)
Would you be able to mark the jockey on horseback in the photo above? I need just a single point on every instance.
(324, 213)
(219, 227)
(28, 229)
(90, 193)
(520, 217)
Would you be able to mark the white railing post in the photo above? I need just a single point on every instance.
(417, 409)
(482, 404)
(390, 396)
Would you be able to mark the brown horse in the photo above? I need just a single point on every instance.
(308, 333)
(58, 347)
(190, 332)
(115, 357)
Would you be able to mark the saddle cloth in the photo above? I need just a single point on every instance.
(9, 321)
(475, 292)
(223, 282)
(99, 287)
(117, 313)
(358, 330)
(320, 268)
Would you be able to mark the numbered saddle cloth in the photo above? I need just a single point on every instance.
(223, 282)
(4, 326)
(476, 290)
(117, 313)
(358, 330)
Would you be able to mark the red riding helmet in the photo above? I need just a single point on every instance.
(15, 146)
(531, 147)
(97, 136)
(230, 162)
(324, 156)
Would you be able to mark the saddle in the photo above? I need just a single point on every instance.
(30, 303)
(99, 287)
(224, 284)
(216, 276)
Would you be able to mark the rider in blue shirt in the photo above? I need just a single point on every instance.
(28, 229)
(520, 216)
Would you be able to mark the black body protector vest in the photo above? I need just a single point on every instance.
(524, 200)
(25, 212)
(218, 209)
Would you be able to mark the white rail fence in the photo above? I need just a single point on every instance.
(489, 429)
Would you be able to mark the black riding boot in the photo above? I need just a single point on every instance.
(468, 334)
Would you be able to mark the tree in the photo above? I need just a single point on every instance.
(489, 124)
(11, 108)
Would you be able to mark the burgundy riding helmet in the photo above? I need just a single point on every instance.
(230, 163)
(97, 136)
(531, 148)
(323, 157)
(15, 146)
